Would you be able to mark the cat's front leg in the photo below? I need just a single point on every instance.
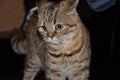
(32, 67)
(80, 75)
(30, 73)
(55, 75)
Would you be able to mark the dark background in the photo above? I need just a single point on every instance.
(105, 42)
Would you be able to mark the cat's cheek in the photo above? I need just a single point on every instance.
(66, 39)
(40, 30)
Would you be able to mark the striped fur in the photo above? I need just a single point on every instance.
(57, 41)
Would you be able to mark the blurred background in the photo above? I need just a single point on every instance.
(105, 39)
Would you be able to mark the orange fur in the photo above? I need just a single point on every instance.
(62, 51)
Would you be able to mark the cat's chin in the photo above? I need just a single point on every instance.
(50, 43)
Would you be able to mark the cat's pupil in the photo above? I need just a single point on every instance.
(44, 28)
(58, 26)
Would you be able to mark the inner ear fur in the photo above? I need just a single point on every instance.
(68, 5)
(40, 2)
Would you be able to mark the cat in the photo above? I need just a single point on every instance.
(56, 41)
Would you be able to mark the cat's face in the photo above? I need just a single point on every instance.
(55, 24)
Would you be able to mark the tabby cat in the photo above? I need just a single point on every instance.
(56, 41)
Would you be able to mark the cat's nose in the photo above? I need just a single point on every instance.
(51, 34)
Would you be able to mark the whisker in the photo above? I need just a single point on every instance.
(40, 45)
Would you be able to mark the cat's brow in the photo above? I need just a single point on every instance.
(71, 25)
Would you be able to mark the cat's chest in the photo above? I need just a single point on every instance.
(65, 50)
(62, 61)
(64, 56)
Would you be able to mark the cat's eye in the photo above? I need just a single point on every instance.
(44, 28)
(58, 26)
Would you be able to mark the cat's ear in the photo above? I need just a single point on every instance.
(40, 2)
(68, 5)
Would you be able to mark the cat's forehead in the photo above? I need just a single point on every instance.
(48, 12)
(47, 6)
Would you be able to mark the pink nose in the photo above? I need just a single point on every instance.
(51, 34)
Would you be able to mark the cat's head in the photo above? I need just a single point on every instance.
(58, 22)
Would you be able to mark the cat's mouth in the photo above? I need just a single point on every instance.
(52, 41)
